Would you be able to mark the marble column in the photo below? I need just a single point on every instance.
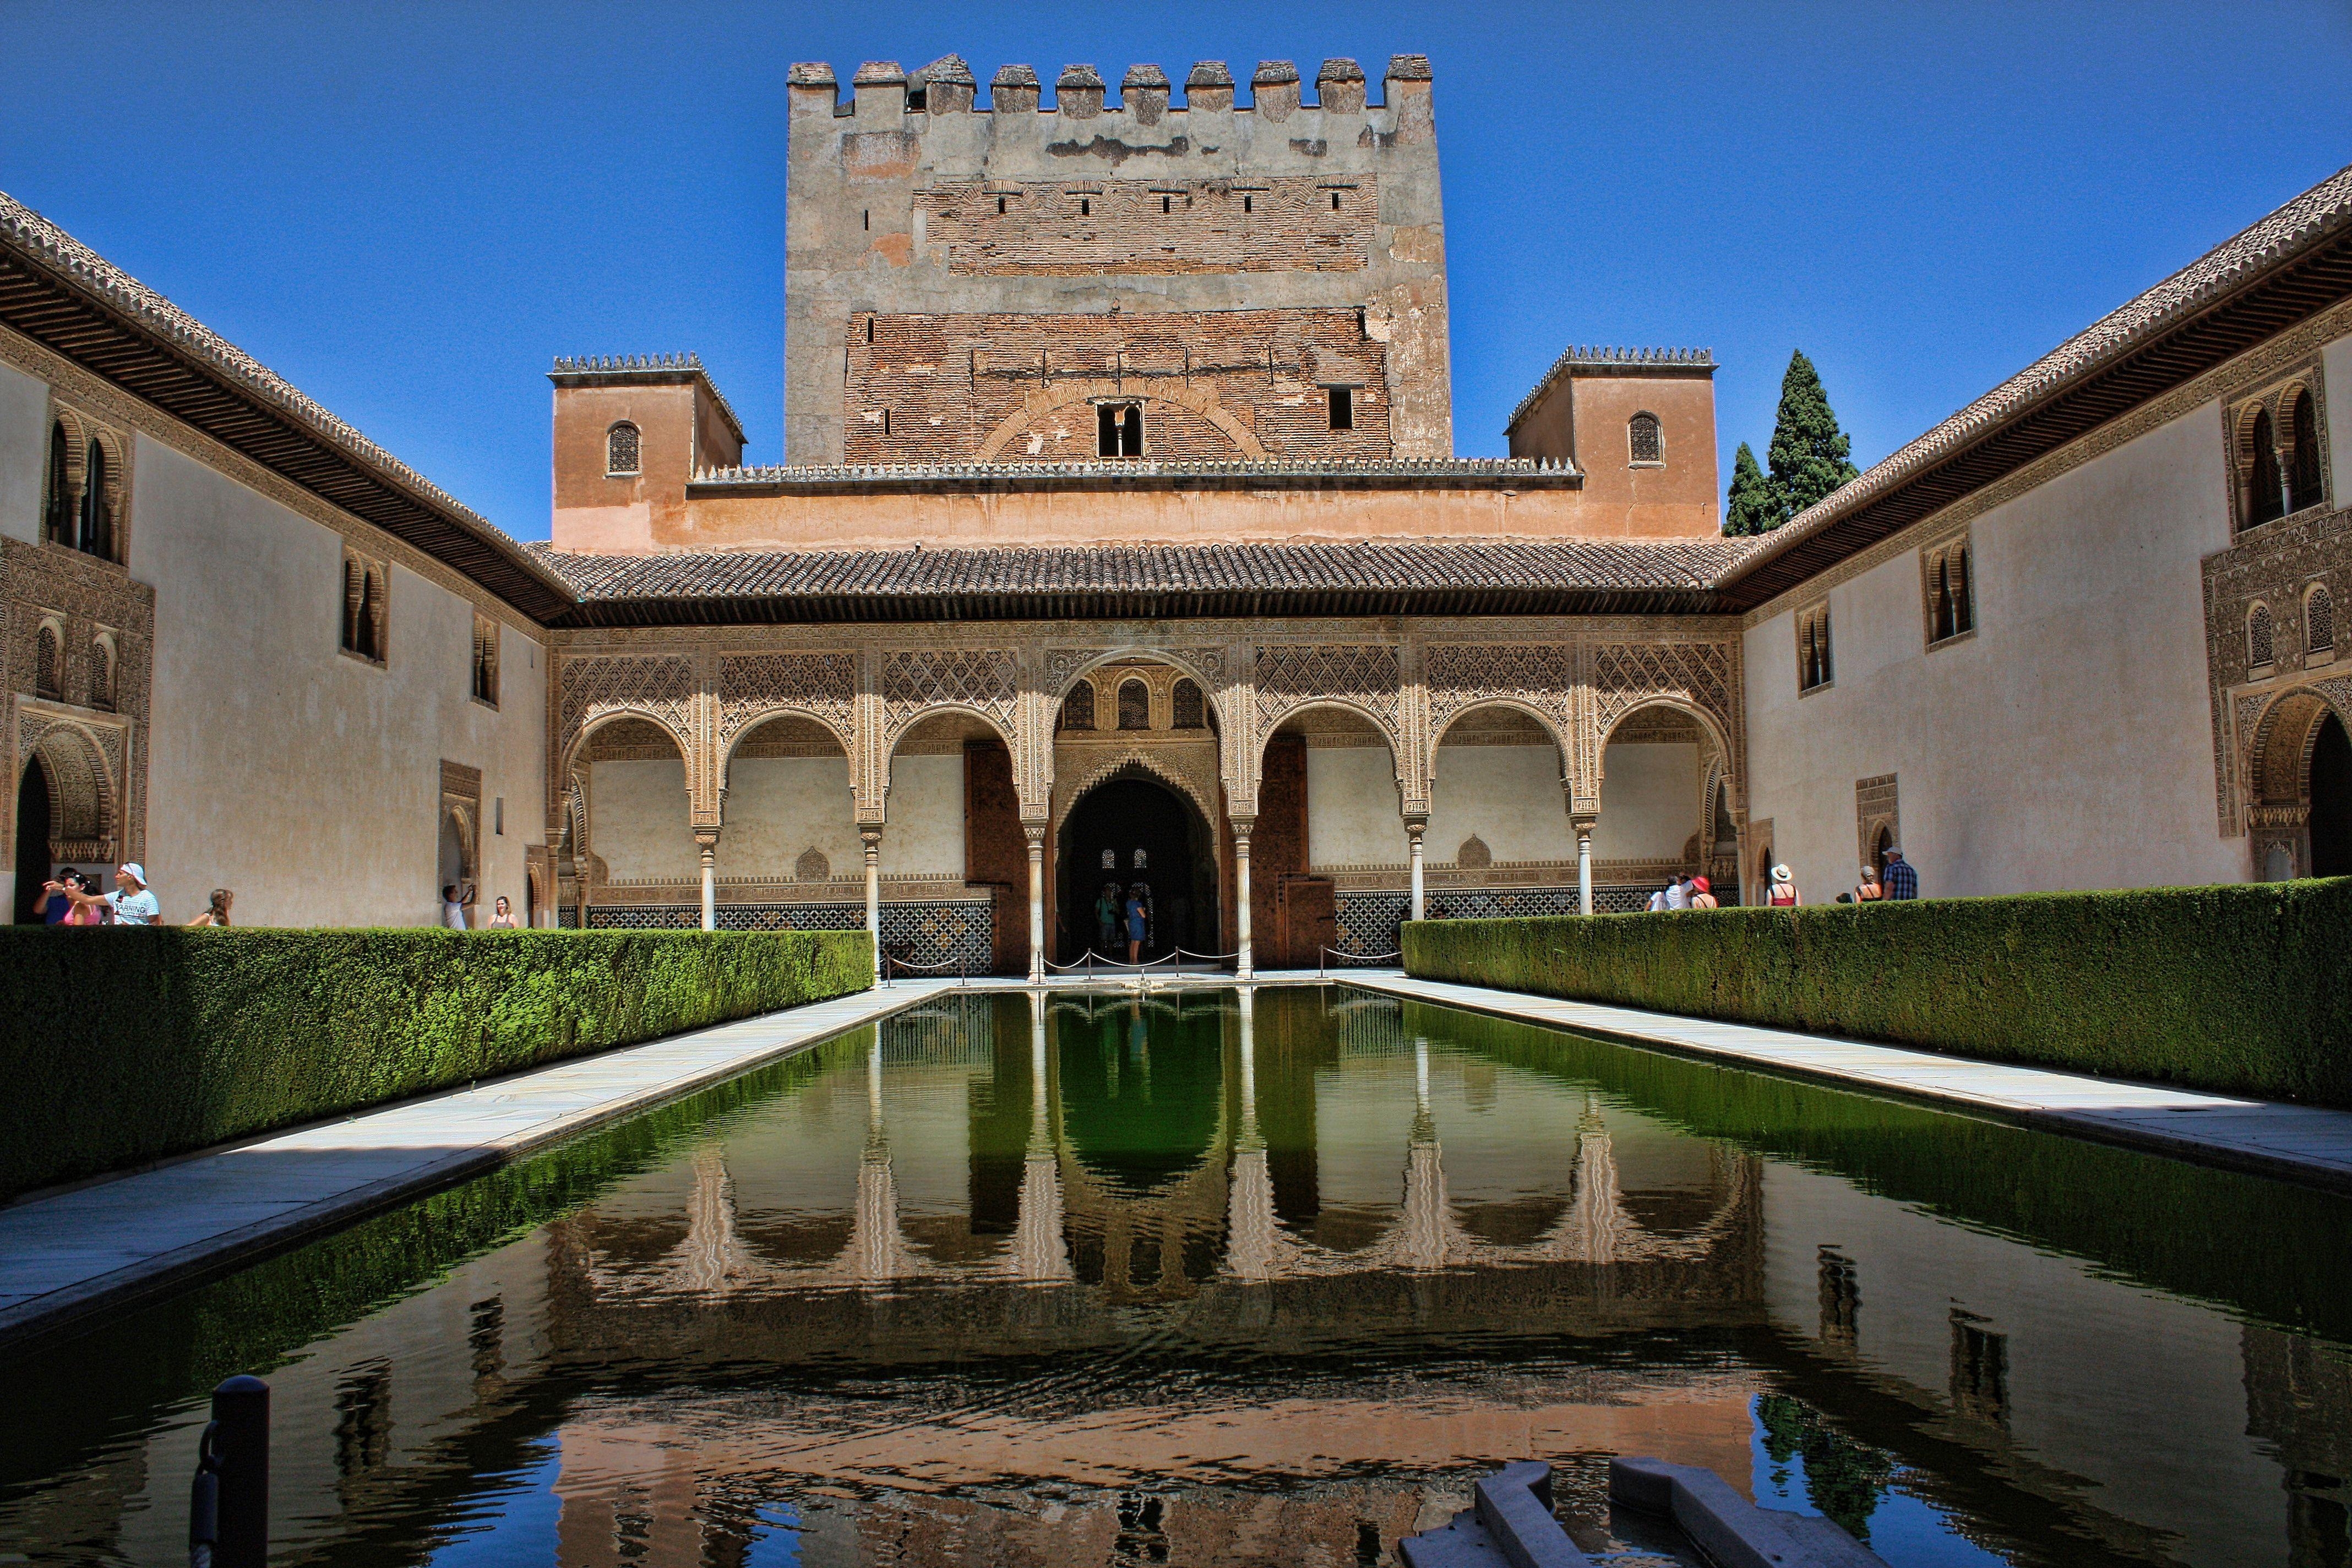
(872, 837)
(707, 840)
(1244, 968)
(1037, 835)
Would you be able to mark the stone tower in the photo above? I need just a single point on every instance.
(1193, 281)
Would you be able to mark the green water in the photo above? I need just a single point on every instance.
(1182, 1280)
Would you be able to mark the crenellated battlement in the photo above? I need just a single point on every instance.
(947, 86)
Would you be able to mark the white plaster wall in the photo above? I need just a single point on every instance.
(308, 781)
(1649, 802)
(1510, 797)
(24, 452)
(1353, 814)
(779, 807)
(638, 820)
(924, 835)
(2068, 743)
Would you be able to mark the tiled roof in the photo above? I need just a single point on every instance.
(77, 303)
(1482, 471)
(1006, 582)
(2317, 221)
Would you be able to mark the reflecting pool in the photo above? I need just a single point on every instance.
(1201, 1277)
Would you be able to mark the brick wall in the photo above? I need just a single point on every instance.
(1085, 228)
(1214, 385)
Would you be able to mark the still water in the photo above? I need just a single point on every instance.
(1194, 1278)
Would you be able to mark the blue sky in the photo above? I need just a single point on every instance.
(407, 210)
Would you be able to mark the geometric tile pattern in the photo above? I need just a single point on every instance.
(928, 931)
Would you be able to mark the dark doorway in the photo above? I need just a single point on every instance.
(2331, 800)
(1120, 818)
(32, 841)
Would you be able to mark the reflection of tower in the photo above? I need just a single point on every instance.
(1039, 1249)
(1596, 1219)
(713, 1253)
(877, 1252)
(1249, 1202)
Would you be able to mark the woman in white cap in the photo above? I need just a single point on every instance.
(1783, 894)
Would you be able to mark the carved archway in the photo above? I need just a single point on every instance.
(84, 808)
(2279, 769)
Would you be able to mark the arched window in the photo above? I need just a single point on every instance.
(2319, 620)
(94, 538)
(101, 675)
(1078, 707)
(2261, 651)
(1815, 666)
(622, 449)
(1134, 705)
(48, 664)
(367, 615)
(1190, 710)
(353, 579)
(2304, 484)
(1644, 440)
(486, 660)
(1950, 611)
(57, 516)
(1118, 430)
(2263, 500)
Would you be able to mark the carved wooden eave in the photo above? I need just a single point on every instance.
(59, 293)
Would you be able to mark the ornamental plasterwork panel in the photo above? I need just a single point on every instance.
(1462, 675)
(2275, 564)
(752, 686)
(915, 680)
(1365, 675)
(90, 739)
(660, 687)
(1191, 769)
(1627, 676)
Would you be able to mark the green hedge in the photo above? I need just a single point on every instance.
(2239, 989)
(119, 1046)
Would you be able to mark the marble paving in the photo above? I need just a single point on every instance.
(114, 1242)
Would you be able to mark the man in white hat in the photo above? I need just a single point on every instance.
(132, 901)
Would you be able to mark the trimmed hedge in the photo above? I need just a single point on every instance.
(2239, 989)
(119, 1046)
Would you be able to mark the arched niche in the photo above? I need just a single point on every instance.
(1498, 774)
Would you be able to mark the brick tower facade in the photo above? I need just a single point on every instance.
(1190, 282)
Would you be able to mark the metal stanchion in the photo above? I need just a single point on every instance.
(228, 1506)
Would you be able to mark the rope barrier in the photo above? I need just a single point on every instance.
(1321, 963)
(888, 959)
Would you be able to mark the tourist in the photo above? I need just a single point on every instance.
(133, 902)
(1702, 897)
(1678, 892)
(56, 907)
(1658, 902)
(1136, 924)
(1107, 919)
(1783, 895)
(502, 916)
(1902, 880)
(1868, 890)
(455, 902)
(216, 912)
(67, 912)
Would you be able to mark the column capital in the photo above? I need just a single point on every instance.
(1415, 826)
(707, 838)
(1034, 832)
(870, 835)
(1242, 826)
(1583, 822)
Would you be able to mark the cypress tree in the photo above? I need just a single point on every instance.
(1752, 507)
(1810, 454)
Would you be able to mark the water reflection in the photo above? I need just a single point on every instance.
(1212, 1278)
